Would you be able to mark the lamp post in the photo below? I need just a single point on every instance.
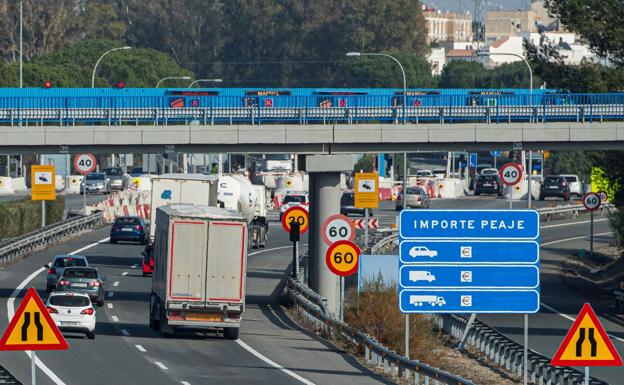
(204, 81)
(21, 45)
(172, 78)
(484, 53)
(100, 59)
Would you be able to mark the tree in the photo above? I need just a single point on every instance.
(365, 164)
(462, 74)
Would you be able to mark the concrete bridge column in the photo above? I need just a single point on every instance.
(325, 171)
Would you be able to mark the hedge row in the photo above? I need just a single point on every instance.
(22, 216)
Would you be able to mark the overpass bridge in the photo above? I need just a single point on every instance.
(314, 121)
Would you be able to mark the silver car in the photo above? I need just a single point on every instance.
(94, 183)
(115, 176)
(58, 265)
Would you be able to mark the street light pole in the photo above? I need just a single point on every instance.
(100, 59)
(21, 45)
(204, 81)
(172, 78)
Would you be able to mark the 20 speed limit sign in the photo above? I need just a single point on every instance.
(591, 201)
(84, 163)
(296, 214)
(510, 174)
(342, 258)
(336, 228)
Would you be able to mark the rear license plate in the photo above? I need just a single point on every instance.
(552, 187)
(487, 185)
(78, 284)
(68, 323)
(126, 229)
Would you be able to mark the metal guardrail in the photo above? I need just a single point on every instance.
(573, 209)
(13, 248)
(392, 363)
(509, 354)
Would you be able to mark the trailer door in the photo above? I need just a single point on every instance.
(225, 274)
(187, 262)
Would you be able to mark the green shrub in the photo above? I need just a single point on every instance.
(22, 216)
(617, 224)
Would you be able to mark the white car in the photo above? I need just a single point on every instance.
(292, 199)
(422, 251)
(575, 184)
(72, 312)
(424, 174)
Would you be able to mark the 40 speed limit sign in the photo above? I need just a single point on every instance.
(342, 258)
(84, 163)
(336, 228)
(510, 174)
(591, 201)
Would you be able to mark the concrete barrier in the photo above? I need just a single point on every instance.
(19, 184)
(73, 184)
(6, 186)
(59, 183)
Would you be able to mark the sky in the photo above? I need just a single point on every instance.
(468, 5)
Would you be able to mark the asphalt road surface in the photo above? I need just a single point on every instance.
(271, 350)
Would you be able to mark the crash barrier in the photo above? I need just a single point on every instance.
(125, 203)
(6, 185)
(19, 184)
(573, 210)
(7, 378)
(13, 248)
(509, 354)
(313, 308)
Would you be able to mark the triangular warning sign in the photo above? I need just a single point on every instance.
(32, 328)
(587, 343)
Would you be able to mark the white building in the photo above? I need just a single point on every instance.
(437, 60)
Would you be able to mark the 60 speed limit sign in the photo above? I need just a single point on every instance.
(342, 258)
(336, 228)
(591, 201)
(84, 163)
(510, 174)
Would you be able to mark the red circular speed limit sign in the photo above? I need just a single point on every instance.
(591, 201)
(336, 228)
(603, 196)
(84, 163)
(296, 214)
(342, 258)
(510, 174)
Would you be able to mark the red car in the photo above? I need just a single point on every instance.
(148, 260)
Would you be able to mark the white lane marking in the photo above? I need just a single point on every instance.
(140, 348)
(574, 238)
(125, 332)
(572, 319)
(116, 284)
(200, 334)
(273, 364)
(115, 318)
(111, 294)
(160, 365)
(109, 305)
(273, 249)
(124, 273)
(572, 223)
(185, 383)
(11, 311)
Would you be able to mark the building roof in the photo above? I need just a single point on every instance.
(500, 42)
(461, 53)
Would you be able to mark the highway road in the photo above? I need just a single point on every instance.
(271, 348)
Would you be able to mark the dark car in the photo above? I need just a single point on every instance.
(59, 264)
(85, 280)
(131, 229)
(347, 205)
(555, 186)
(148, 260)
(488, 184)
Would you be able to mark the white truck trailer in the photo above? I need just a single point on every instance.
(200, 260)
(170, 189)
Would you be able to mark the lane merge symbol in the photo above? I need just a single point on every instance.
(27, 324)
(581, 339)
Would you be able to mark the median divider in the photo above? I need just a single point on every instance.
(6, 185)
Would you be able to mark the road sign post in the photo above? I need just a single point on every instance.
(510, 175)
(366, 196)
(295, 221)
(294, 238)
(84, 164)
(592, 202)
(342, 258)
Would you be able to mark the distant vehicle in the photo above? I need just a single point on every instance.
(424, 174)
(292, 199)
(58, 265)
(86, 280)
(115, 176)
(489, 171)
(259, 226)
(72, 312)
(422, 251)
(555, 186)
(416, 276)
(576, 187)
(416, 197)
(147, 264)
(419, 300)
(488, 184)
(94, 183)
(137, 171)
(200, 259)
(439, 173)
(132, 229)
(347, 205)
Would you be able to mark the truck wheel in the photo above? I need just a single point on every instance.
(230, 333)
(154, 323)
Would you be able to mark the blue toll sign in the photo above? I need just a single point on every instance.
(482, 252)
(473, 276)
(468, 301)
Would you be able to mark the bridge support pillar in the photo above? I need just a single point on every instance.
(325, 172)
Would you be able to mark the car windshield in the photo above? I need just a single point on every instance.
(489, 178)
(69, 262)
(571, 179)
(69, 300)
(127, 221)
(294, 199)
(113, 171)
(80, 273)
(96, 177)
(413, 191)
(423, 173)
(552, 179)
